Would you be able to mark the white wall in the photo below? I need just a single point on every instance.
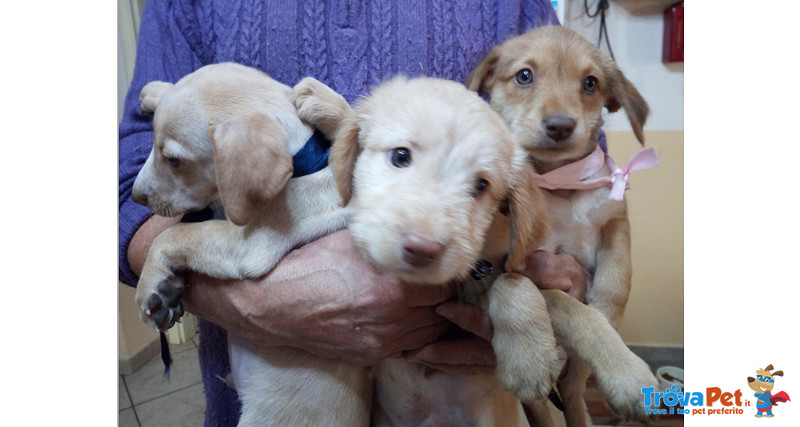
(636, 30)
(129, 13)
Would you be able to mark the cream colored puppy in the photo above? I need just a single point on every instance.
(225, 136)
(425, 166)
(551, 86)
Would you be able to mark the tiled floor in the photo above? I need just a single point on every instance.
(146, 398)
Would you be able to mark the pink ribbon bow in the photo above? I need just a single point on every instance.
(620, 178)
(574, 176)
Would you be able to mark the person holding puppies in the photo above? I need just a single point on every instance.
(363, 314)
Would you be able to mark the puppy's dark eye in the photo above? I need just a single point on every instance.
(524, 77)
(400, 157)
(479, 187)
(174, 161)
(590, 84)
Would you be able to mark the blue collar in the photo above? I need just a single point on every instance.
(313, 157)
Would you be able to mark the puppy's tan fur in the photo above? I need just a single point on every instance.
(225, 135)
(586, 224)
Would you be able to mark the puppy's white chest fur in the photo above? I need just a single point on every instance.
(577, 218)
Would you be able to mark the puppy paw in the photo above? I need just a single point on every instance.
(160, 305)
(526, 372)
(151, 94)
(319, 106)
(623, 388)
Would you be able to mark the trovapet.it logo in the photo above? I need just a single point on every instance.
(715, 401)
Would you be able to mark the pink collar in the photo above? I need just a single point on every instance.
(575, 176)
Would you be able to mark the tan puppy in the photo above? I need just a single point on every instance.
(225, 135)
(551, 86)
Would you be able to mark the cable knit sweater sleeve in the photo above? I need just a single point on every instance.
(162, 54)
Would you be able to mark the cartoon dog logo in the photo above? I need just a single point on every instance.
(762, 384)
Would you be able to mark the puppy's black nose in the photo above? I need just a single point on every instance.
(559, 128)
(419, 252)
(139, 197)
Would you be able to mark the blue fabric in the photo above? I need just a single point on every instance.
(313, 157)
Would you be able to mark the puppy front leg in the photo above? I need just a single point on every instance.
(523, 341)
(196, 246)
(619, 372)
(216, 248)
(572, 387)
(611, 285)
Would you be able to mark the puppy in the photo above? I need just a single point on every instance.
(425, 166)
(551, 85)
(225, 136)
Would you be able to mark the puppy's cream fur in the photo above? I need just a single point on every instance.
(454, 140)
(225, 135)
(572, 81)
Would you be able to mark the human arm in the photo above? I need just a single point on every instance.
(324, 298)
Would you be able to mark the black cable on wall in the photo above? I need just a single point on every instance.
(602, 6)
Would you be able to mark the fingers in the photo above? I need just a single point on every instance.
(419, 338)
(421, 295)
(462, 369)
(470, 355)
(549, 270)
(419, 317)
(468, 317)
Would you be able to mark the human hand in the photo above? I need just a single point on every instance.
(550, 270)
(327, 299)
(473, 355)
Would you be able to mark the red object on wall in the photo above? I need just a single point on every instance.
(673, 33)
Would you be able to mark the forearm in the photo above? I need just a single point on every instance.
(143, 238)
(263, 309)
(324, 298)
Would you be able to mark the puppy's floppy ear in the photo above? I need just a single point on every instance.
(252, 164)
(482, 78)
(528, 217)
(343, 156)
(151, 94)
(622, 93)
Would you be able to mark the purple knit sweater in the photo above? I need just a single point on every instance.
(351, 45)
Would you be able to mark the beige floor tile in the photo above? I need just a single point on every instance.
(180, 348)
(182, 408)
(149, 383)
(124, 399)
(127, 418)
